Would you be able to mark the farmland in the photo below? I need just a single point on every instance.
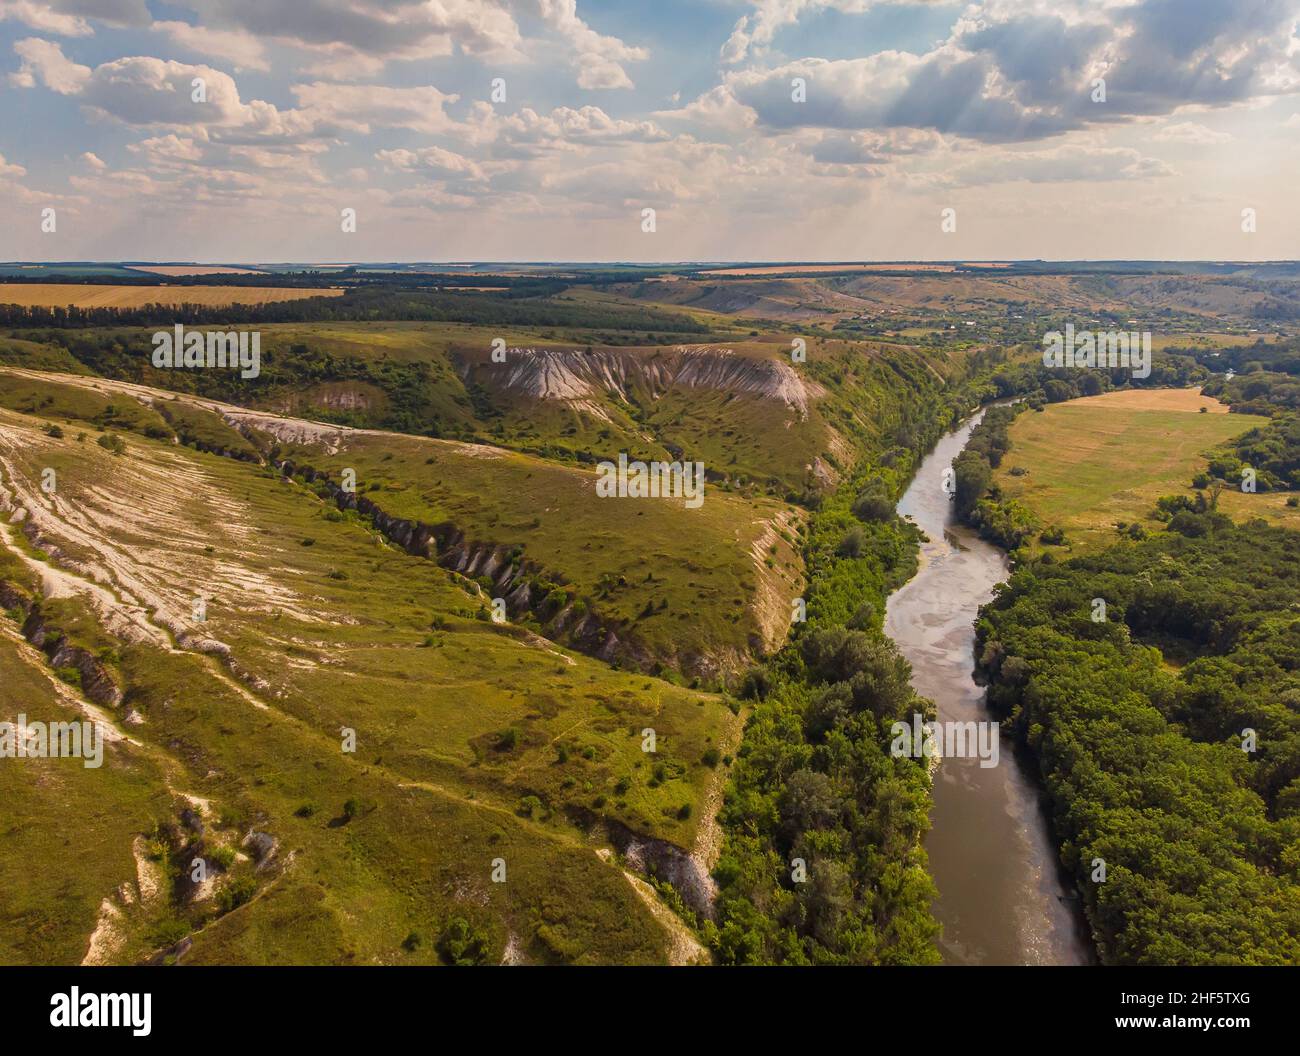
(1090, 463)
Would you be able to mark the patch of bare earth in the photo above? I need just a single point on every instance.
(775, 588)
(683, 947)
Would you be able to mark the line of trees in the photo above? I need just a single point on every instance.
(377, 303)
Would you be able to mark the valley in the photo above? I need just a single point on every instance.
(386, 680)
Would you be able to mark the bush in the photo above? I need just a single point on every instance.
(236, 893)
(874, 502)
(461, 944)
(853, 543)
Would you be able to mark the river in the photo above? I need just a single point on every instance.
(1002, 897)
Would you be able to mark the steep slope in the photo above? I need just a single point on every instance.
(474, 741)
(679, 600)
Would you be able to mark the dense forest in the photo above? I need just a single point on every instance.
(1268, 384)
(1167, 733)
(523, 307)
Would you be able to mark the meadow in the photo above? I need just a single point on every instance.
(1090, 463)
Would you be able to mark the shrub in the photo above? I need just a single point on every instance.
(461, 944)
(236, 893)
(853, 543)
(874, 502)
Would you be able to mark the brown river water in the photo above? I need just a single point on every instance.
(1002, 896)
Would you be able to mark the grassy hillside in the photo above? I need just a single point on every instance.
(474, 741)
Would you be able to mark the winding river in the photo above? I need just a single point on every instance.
(1002, 898)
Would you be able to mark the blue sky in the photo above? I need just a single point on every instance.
(755, 129)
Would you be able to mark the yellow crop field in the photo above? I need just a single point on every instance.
(1091, 462)
(66, 295)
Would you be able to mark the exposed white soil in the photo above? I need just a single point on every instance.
(580, 378)
(775, 589)
(683, 947)
(107, 937)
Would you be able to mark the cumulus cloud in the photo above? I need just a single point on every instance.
(754, 32)
(527, 133)
(598, 59)
(9, 171)
(1012, 72)
(375, 30)
(44, 63)
(146, 91)
(717, 108)
(432, 161)
(947, 91)
(358, 38)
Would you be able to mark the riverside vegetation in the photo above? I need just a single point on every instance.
(1155, 677)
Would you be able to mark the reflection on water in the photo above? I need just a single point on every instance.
(1002, 899)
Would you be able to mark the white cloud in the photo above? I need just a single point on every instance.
(241, 49)
(717, 108)
(1068, 163)
(44, 17)
(43, 62)
(598, 59)
(526, 132)
(9, 171)
(361, 106)
(431, 161)
(1190, 132)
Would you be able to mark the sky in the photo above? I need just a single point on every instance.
(511, 130)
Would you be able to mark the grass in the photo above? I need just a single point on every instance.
(1104, 459)
(392, 649)
(620, 554)
(77, 823)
